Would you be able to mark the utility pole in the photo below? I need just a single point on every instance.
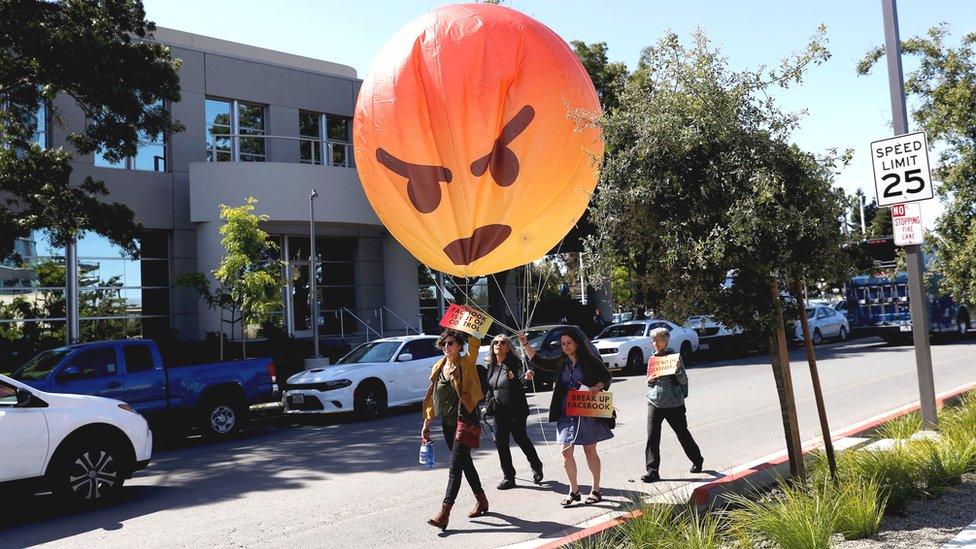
(916, 299)
(313, 274)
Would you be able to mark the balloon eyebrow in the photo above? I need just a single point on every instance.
(422, 181)
(502, 161)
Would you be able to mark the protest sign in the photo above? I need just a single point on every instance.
(666, 365)
(589, 404)
(466, 320)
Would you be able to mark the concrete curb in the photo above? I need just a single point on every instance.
(756, 473)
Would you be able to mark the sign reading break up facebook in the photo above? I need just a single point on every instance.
(901, 169)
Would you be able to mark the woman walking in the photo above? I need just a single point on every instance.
(511, 410)
(576, 368)
(453, 394)
(666, 401)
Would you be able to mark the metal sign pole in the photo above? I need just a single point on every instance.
(313, 273)
(916, 300)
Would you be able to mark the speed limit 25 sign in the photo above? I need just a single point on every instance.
(901, 169)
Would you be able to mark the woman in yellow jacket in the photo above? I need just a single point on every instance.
(454, 394)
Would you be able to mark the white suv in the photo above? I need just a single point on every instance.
(79, 447)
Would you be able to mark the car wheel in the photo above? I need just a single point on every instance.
(635, 359)
(686, 353)
(370, 399)
(817, 337)
(843, 334)
(90, 472)
(221, 418)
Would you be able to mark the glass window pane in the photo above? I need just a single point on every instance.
(150, 157)
(103, 162)
(337, 127)
(250, 117)
(218, 128)
(138, 358)
(309, 151)
(308, 124)
(339, 154)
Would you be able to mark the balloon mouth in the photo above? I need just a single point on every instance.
(483, 241)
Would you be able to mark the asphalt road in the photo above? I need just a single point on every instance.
(341, 482)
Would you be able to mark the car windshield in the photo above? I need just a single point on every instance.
(536, 337)
(623, 330)
(374, 351)
(39, 366)
(811, 312)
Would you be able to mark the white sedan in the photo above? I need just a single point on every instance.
(80, 447)
(628, 345)
(824, 322)
(392, 371)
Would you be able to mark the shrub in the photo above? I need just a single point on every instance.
(694, 530)
(860, 506)
(653, 529)
(897, 472)
(795, 516)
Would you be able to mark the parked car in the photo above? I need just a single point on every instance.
(628, 345)
(714, 336)
(392, 371)
(80, 447)
(825, 322)
(214, 397)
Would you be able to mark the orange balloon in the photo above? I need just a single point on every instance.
(475, 138)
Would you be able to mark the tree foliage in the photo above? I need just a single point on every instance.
(944, 89)
(94, 52)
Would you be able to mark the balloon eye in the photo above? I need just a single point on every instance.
(502, 162)
(423, 182)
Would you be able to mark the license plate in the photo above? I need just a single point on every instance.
(703, 346)
(904, 328)
(297, 399)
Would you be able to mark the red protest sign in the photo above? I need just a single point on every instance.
(466, 320)
(589, 404)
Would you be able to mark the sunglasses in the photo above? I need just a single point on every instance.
(449, 343)
(499, 342)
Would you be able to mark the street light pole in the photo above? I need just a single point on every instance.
(916, 298)
(861, 199)
(313, 274)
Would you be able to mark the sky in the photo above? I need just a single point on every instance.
(843, 109)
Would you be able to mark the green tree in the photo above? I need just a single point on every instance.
(97, 54)
(250, 271)
(701, 189)
(608, 78)
(944, 89)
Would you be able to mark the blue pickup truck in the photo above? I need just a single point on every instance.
(214, 397)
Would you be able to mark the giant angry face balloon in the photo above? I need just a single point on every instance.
(474, 138)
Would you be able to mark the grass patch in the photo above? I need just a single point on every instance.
(860, 507)
(794, 516)
(901, 427)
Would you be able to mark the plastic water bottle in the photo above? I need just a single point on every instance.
(427, 454)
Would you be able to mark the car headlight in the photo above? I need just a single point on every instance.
(608, 351)
(334, 384)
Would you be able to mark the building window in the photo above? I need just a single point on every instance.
(150, 153)
(336, 149)
(218, 130)
(338, 134)
(32, 300)
(335, 285)
(235, 131)
(310, 137)
(121, 297)
(41, 126)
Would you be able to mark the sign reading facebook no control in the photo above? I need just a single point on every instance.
(901, 169)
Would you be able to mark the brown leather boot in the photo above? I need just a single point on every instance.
(440, 520)
(481, 507)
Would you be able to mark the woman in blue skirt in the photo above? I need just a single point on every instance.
(576, 368)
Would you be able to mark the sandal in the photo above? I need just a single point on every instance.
(594, 497)
(570, 499)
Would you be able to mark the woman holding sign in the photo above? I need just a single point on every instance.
(578, 370)
(668, 384)
(454, 393)
(510, 408)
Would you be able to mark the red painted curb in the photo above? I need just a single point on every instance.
(700, 494)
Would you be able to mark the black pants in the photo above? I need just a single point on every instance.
(460, 462)
(675, 417)
(513, 425)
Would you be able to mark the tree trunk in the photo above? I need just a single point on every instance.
(815, 376)
(220, 334)
(779, 359)
(243, 338)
